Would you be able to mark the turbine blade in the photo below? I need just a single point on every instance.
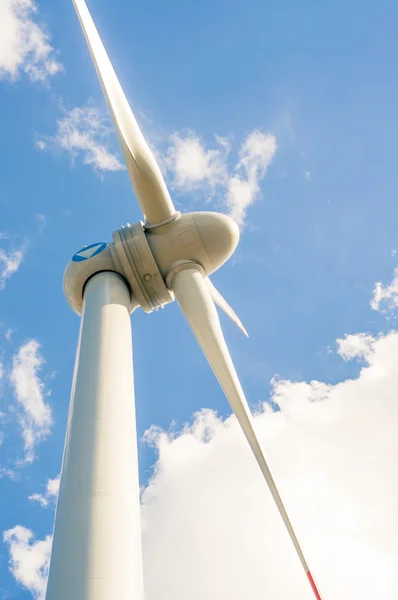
(192, 294)
(223, 304)
(145, 174)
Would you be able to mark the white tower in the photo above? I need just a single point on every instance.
(97, 542)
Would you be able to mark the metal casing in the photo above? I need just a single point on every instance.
(139, 267)
(78, 273)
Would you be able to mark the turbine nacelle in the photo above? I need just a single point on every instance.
(148, 258)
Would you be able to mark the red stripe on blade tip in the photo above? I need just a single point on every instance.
(314, 588)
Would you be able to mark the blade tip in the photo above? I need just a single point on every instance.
(238, 322)
(243, 330)
(313, 585)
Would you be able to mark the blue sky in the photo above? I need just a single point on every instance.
(317, 84)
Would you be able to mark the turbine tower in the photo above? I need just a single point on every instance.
(96, 552)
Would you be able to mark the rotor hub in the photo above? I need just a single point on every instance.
(149, 258)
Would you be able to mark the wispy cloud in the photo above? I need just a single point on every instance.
(6, 472)
(34, 414)
(9, 333)
(84, 132)
(50, 495)
(359, 345)
(24, 43)
(10, 261)
(256, 153)
(29, 559)
(386, 295)
(41, 222)
(191, 167)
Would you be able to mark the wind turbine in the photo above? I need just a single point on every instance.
(96, 553)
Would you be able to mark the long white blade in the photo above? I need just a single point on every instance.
(223, 304)
(192, 294)
(145, 174)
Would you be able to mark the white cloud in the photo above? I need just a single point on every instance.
(41, 144)
(10, 263)
(84, 132)
(28, 559)
(192, 167)
(41, 222)
(256, 153)
(24, 44)
(386, 294)
(308, 175)
(35, 418)
(50, 495)
(6, 472)
(359, 345)
(210, 528)
(9, 333)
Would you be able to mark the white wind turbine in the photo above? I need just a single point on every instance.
(96, 552)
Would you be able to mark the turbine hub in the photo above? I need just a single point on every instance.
(149, 258)
(205, 238)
